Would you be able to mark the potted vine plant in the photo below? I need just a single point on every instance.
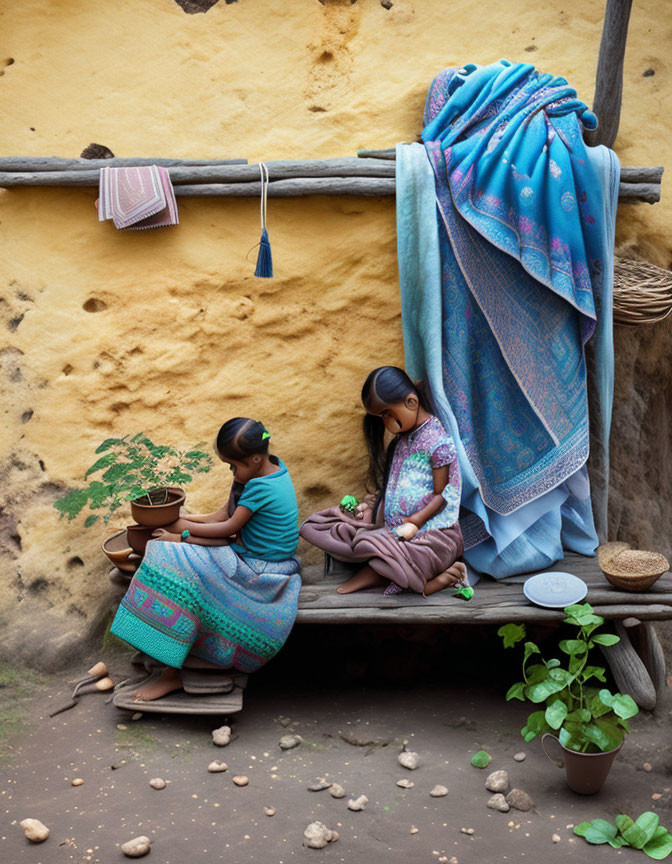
(135, 469)
(587, 721)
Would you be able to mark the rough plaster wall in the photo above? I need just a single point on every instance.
(167, 331)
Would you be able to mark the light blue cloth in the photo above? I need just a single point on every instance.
(501, 286)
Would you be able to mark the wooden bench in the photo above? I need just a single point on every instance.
(637, 662)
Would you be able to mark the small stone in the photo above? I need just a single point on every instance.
(519, 800)
(317, 835)
(556, 838)
(284, 721)
(656, 796)
(520, 757)
(386, 4)
(319, 785)
(413, 830)
(408, 759)
(337, 791)
(453, 860)
(269, 811)
(137, 715)
(469, 831)
(288, 742)
(35, 831)
(137, 847)
(157, 783)
(357, 803)
(647, 73)
(499, 802)
(498, 781)
(647, 766)
(405, 784)
(216, 766)
(438, 791)
(77, 781)
(241, 780)
(122, 727)
(222, 736)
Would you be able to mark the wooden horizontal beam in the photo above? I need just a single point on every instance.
(58, 163)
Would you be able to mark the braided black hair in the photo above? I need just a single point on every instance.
(241, 437)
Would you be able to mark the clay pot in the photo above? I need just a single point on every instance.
(138, 536)
(120, 552)
(585, 772)
(158, 515)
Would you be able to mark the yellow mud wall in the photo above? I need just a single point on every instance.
(167, 331)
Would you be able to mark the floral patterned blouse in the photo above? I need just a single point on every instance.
(410, 485)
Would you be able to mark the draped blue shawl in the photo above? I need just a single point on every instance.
(506, 261)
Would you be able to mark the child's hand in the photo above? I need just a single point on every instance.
(407, 531)
(164, 536)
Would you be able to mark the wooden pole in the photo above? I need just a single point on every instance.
(609, 78)
(57, 163)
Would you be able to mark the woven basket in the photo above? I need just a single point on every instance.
(642, 292)
(631, 569)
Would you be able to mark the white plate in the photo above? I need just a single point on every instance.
(555, 589)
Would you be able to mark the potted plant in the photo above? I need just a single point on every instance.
(587, 721)
(136, 470)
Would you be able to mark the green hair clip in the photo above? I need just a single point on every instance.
(349, 503)
(265, 435)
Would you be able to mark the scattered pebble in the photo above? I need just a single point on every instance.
(241, 780)
(519, 800)
(647, 766)
(408, 759)
(269, 811)
(221, 736)
(498, 781)
(357, 803)
(77, 781)
(520, 757)
(337, 791)
(468, 831)
(405, 784)
(137, 715)
(35, 830)
(556, 838)
(499, 802)
(217, 765)
(319, 785)
(122, 727)
(317, 835)
(413, 830)
(284, 721)
(288, 742)
(656, 796)
(157, 783)
(137, 847)
(438, 791)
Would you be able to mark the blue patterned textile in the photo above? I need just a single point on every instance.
(500, 295)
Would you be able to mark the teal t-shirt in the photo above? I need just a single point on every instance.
(272, 532)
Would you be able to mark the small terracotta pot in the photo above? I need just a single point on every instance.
(585, 772)
(138, 536)
(159, 515)
(119, 551)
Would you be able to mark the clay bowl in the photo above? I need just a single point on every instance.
(159, 515)
(120, 553)
(138, 537)
(631, 569)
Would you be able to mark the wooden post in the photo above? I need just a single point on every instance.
(609, 78)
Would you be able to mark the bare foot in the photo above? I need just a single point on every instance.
(364, 578)
(170, 679)
(448, 579)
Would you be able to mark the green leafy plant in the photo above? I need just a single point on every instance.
(132, 469)
(645, 833)
(586, 718)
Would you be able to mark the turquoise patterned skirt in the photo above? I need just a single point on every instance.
(207, 600)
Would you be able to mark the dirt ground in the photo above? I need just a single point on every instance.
(353, 728)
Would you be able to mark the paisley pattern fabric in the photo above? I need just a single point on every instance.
(410, 485)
